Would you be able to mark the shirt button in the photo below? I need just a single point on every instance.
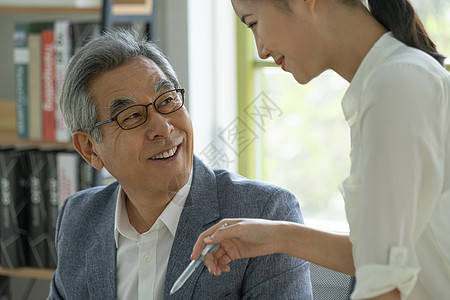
(147, 258)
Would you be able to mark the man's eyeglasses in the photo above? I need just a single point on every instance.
(136, 115)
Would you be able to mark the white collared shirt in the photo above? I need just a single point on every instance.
(142, 258)
(397, 196)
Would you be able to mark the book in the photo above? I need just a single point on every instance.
(67, 164)
(5, 293)
(34, 86)
(34, 80)
(104, 178)
(88, 175)
(51, 199)
(13, 208)
(48, 84)
(37, 218)
(63, 52)
(21, 60)
(83, 32)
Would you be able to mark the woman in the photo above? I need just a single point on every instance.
(397, 196)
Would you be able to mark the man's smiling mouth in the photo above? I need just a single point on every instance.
(166, 154)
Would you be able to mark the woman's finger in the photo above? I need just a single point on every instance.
(211, 263)
(208, 237)
(218, 253)
(200, 244)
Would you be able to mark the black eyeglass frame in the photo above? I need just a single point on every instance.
(114, 119)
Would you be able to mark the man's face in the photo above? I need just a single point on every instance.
(133, 156)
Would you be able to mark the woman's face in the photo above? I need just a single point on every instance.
(287, 35)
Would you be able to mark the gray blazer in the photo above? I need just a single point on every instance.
(87, 252)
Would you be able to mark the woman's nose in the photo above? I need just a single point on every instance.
(263, 52)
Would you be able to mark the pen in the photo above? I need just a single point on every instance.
(191, 267)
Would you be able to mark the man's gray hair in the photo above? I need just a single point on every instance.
(100, 55)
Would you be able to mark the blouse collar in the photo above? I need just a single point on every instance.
(379, 53)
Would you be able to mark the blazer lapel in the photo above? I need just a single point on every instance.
(101, 257)
(101, 270)
(201, 210)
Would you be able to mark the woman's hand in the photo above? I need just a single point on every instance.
(238, 238)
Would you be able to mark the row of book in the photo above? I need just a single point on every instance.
(42, 51)
(33, 186)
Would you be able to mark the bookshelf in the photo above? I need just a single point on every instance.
(35, 273)
(8, 136)
(118, 11)
(109, 13)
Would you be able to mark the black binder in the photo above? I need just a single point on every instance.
(13, 208)
(37, 221)
(51, 198)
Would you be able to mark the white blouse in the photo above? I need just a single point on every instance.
(397, 196)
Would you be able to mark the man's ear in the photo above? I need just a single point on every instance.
(84, 144)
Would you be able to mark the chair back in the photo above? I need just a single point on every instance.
(330, 285)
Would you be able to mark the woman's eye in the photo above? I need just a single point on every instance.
(251, 25)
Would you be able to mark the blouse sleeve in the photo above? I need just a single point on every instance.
(399, 168)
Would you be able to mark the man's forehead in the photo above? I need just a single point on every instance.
(156, 75)
(162, 84)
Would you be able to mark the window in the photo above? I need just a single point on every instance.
(306, 149)
(435, 15)
(301, 139)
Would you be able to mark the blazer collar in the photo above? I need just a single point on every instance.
(202, 201)
(201, 210)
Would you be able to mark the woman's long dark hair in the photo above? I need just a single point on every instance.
(399, 17)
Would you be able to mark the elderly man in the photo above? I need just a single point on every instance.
(133, 238)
